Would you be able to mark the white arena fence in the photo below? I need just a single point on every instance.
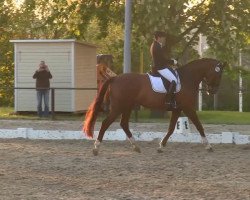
(181, 134)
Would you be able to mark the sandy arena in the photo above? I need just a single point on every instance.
(42, 169)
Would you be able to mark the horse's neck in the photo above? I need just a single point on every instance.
(194, 71)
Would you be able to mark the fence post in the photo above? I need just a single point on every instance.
(52, 103)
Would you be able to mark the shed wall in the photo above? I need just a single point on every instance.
(85, 75)
(58, 57)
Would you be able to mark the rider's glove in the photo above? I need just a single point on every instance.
(175, 61)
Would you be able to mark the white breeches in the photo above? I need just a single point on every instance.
(168, 75)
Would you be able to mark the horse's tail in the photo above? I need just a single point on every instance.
(94, 108)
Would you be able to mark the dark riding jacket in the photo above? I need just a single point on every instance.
(159, 60)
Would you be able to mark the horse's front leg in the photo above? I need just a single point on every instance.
(192, 115)
(125, 126)
(174, 117)
(207, 144)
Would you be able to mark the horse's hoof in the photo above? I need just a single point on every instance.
(163, 144)
(209, 149)
(159, 150)
(137, 149)
(95, 152)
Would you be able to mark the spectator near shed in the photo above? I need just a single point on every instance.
(73, 65)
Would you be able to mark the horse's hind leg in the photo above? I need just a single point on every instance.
(105, 124)
(174, 117)
(192, 115)
(125, 126)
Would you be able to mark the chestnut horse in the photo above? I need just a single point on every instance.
(131, 89)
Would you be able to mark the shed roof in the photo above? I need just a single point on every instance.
(52, 41)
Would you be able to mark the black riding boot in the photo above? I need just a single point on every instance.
(170, 97)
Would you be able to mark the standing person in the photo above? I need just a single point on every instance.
(163, 65)
(42, 76)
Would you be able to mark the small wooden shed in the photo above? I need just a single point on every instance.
(72, 65)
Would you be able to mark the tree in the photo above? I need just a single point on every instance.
(225, 23)
(6, 53)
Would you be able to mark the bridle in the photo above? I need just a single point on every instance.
(211, 87)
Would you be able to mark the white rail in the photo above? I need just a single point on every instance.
(29, 133)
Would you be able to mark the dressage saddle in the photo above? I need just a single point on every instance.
(170, 102)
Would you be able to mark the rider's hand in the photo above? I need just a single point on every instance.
(175, 61)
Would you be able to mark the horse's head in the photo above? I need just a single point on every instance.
(213, 77)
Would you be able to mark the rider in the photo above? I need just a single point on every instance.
(163, 65)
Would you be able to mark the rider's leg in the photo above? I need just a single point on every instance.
(170, 98)
(168, 74)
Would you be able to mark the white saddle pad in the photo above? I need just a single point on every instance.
(157, 84)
